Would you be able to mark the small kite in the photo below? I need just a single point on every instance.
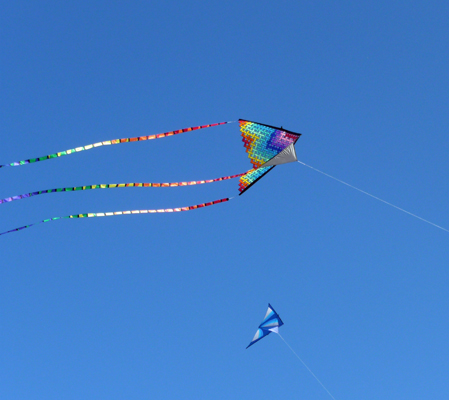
(267, 146)
(271, 323)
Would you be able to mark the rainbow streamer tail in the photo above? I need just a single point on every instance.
(118, 185)
(110, 142)
(110, 214)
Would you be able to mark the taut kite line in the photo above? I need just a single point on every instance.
(267, 146)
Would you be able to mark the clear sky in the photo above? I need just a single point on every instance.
(163, 306)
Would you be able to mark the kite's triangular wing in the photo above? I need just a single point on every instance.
(267, 146)
(270, 323)
(251, 177)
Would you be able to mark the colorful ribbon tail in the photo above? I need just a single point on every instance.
(110, 214)
(110, 142)
(119, 185)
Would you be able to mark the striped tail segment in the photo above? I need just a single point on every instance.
(110, 214)
(110, 142)
(118, 185)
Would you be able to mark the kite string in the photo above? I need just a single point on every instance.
(305, 365)
(374, 197)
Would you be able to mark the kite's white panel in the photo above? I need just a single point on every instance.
(270, 323)
(258, 335)
(269, 311)
(287, 155)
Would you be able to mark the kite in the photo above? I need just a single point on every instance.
(271, 323)
(266, 145)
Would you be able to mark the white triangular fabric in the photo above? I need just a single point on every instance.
(271, 323)
(287, 155)
(275, 330)
(269, 311)
(258, 334)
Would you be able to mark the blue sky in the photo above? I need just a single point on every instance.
(163, 306)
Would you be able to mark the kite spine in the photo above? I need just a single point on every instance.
(111, 142)
(118, 185)
(110, 214)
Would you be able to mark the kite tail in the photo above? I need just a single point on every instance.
(118, 185)
(110, 142)
(110, 214)
(36, 223)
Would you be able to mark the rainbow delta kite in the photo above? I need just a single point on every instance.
(267, 146)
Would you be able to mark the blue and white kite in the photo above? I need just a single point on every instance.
(270, 323)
